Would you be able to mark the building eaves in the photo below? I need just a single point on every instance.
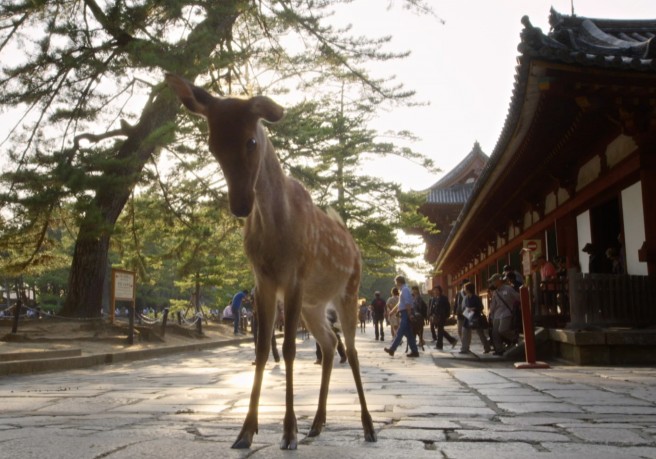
(570, 42)
(457, 194)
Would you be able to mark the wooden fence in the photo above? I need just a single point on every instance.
(612, 300)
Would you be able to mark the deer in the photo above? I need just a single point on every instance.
(298, 253)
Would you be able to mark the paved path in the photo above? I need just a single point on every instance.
(441, 405)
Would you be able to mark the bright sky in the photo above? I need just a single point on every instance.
(465, 68)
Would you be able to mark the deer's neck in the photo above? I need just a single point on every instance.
(271, 209)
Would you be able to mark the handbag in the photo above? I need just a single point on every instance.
(478, 322)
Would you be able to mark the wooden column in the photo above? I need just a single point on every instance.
(648, 179)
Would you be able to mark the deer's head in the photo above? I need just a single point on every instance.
(236, 139)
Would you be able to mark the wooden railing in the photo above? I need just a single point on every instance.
(612, 300)
(594, 300)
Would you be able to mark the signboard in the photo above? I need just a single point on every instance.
(530, 248)
(123, 285)
(533, 245)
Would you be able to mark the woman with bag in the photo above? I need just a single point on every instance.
(474, 320)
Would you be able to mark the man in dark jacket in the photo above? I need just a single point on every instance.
(378, 312)
(440, 310)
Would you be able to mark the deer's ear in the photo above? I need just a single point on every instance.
(265, 108)
(197, 100)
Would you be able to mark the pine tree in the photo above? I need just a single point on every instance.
(84, 79)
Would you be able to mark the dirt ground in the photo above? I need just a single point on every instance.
(99, 337)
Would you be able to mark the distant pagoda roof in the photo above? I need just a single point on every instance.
(454, 187)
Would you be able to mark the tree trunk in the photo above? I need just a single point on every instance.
(89, 266)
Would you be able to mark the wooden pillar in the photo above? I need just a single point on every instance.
(648, 179)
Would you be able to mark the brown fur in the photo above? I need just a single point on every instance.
(298, 253)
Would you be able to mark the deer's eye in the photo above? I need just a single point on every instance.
(251, 145)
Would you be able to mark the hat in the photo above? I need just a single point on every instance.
(495, 277)
(376, 292)
(464, 281)
(588, 248)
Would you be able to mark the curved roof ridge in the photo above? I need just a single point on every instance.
(475, 153)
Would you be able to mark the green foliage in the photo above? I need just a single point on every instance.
(92, 120)
(327, 145)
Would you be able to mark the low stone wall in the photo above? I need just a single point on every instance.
(604, 347)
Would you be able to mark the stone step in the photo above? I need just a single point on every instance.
(39, 355)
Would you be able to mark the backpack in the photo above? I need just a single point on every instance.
(516, 311)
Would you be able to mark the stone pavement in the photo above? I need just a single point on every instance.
(441, 405)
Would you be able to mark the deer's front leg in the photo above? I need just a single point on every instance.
(265, 307)
(292, 315)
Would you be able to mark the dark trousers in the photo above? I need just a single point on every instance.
(379, 327)
(340, 350)
(236, 317)
(274, 346)
(440, 322)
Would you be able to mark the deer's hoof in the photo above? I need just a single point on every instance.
(370, 437)
(289, 443)
(244, 441)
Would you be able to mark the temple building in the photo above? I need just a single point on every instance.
(572, 179)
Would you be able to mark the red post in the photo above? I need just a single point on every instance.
(529, 334)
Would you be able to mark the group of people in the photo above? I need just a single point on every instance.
(406, 306)
(502, 324)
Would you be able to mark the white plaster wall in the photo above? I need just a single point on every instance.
(588, 173)
(584, 234)
(619, 149)
(550, 203)
(634, 228)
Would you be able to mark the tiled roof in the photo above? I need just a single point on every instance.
(621, 44)
(454, 173)
(457, 194)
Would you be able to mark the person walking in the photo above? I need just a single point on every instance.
(420, 307)
(459, 305)
(237, 301)
(473, 313)
(331, 316)
(440, 310)
(362, 315)
(502, 307)
(392, 311)
(378, 313)
(405, 329)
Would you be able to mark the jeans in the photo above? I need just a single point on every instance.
(236, 316)
(405, 330)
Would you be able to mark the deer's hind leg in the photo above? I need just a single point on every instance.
(347, 311)
(321, 330)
